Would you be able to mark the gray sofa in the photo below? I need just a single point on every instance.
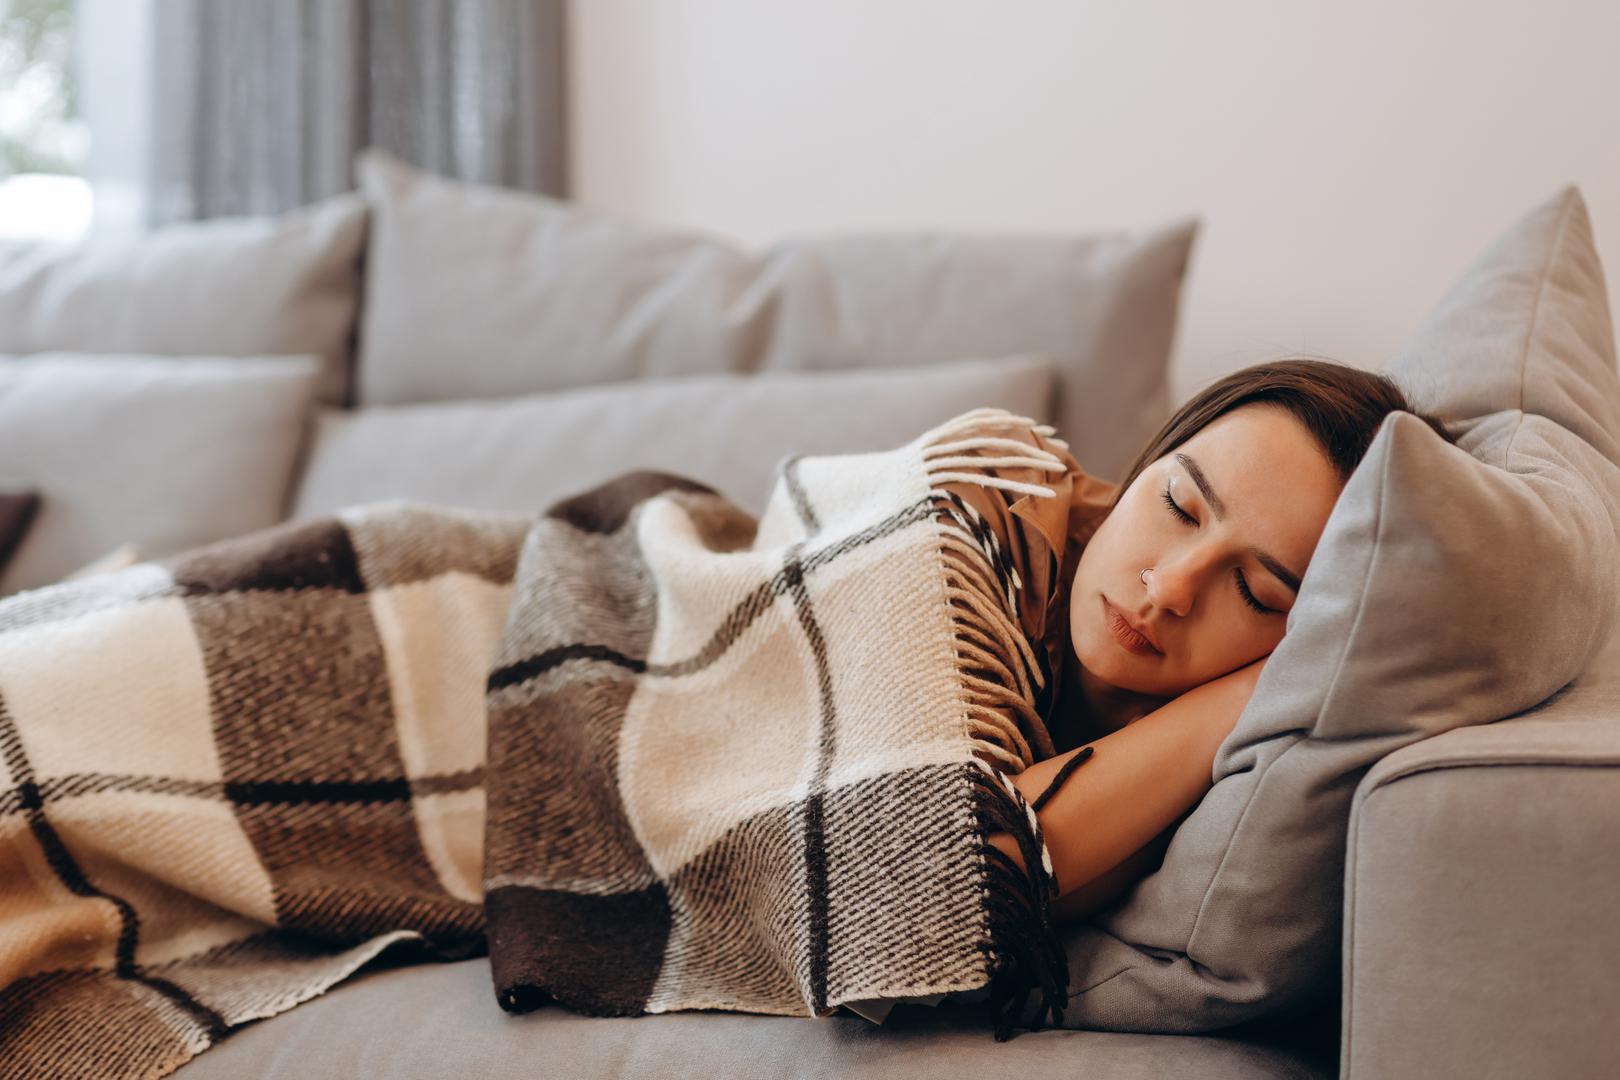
(1481, 874)
(1479, 941)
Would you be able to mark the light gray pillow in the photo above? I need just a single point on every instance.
(287, 285)
(1453, 585)
(476, 292)
(159, 452)
(729, 431)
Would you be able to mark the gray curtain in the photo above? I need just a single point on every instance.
(262, 104)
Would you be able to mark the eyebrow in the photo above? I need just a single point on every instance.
(1269, 561)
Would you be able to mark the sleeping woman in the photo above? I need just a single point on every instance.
(340, 666)
(1158, 602)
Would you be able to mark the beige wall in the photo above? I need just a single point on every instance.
(1346, 158)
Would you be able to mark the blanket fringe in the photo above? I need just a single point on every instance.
(1001, 679)
(938, 452)
(995, 662)
(1028, 954)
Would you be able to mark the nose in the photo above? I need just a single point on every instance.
(1176, 578)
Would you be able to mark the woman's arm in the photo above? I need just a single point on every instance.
(1140, 779)
(1101, 891)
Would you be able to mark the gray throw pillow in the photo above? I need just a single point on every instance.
(476, 292)
(1453, 585)
(522, 454)
(286, 285)
(160, 452)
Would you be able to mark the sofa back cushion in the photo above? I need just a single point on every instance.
(227, 287)
(159, 452)
(475, 292)
(521, 454)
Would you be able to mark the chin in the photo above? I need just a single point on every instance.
(1107, 661)
(1098, 654)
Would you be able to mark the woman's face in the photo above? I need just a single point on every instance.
(1256, 489)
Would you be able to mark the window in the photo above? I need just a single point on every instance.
(44, 142)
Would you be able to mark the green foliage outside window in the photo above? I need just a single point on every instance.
(40, 129)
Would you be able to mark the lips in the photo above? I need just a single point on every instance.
(1131, 637)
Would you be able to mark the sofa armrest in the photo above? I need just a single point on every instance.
(1482, 898)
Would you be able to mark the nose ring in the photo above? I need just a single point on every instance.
(1143, 575)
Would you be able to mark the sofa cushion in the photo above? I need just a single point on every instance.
(521, 454)
(227, 287)
(1453, 585)
(159, 452)
(478, 292)
(437, 1020)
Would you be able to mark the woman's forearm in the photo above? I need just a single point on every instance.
(1138, 781)
(1087, 899)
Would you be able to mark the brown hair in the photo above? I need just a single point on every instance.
(1342, 406)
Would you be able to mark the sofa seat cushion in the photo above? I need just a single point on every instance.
(440, 1020)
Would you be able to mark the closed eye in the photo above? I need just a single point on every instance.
(1177, 510)
(1242, 583)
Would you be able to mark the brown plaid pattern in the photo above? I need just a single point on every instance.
(230, 778)
(728, 762)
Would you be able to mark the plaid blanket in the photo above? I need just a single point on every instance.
(652, 753)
